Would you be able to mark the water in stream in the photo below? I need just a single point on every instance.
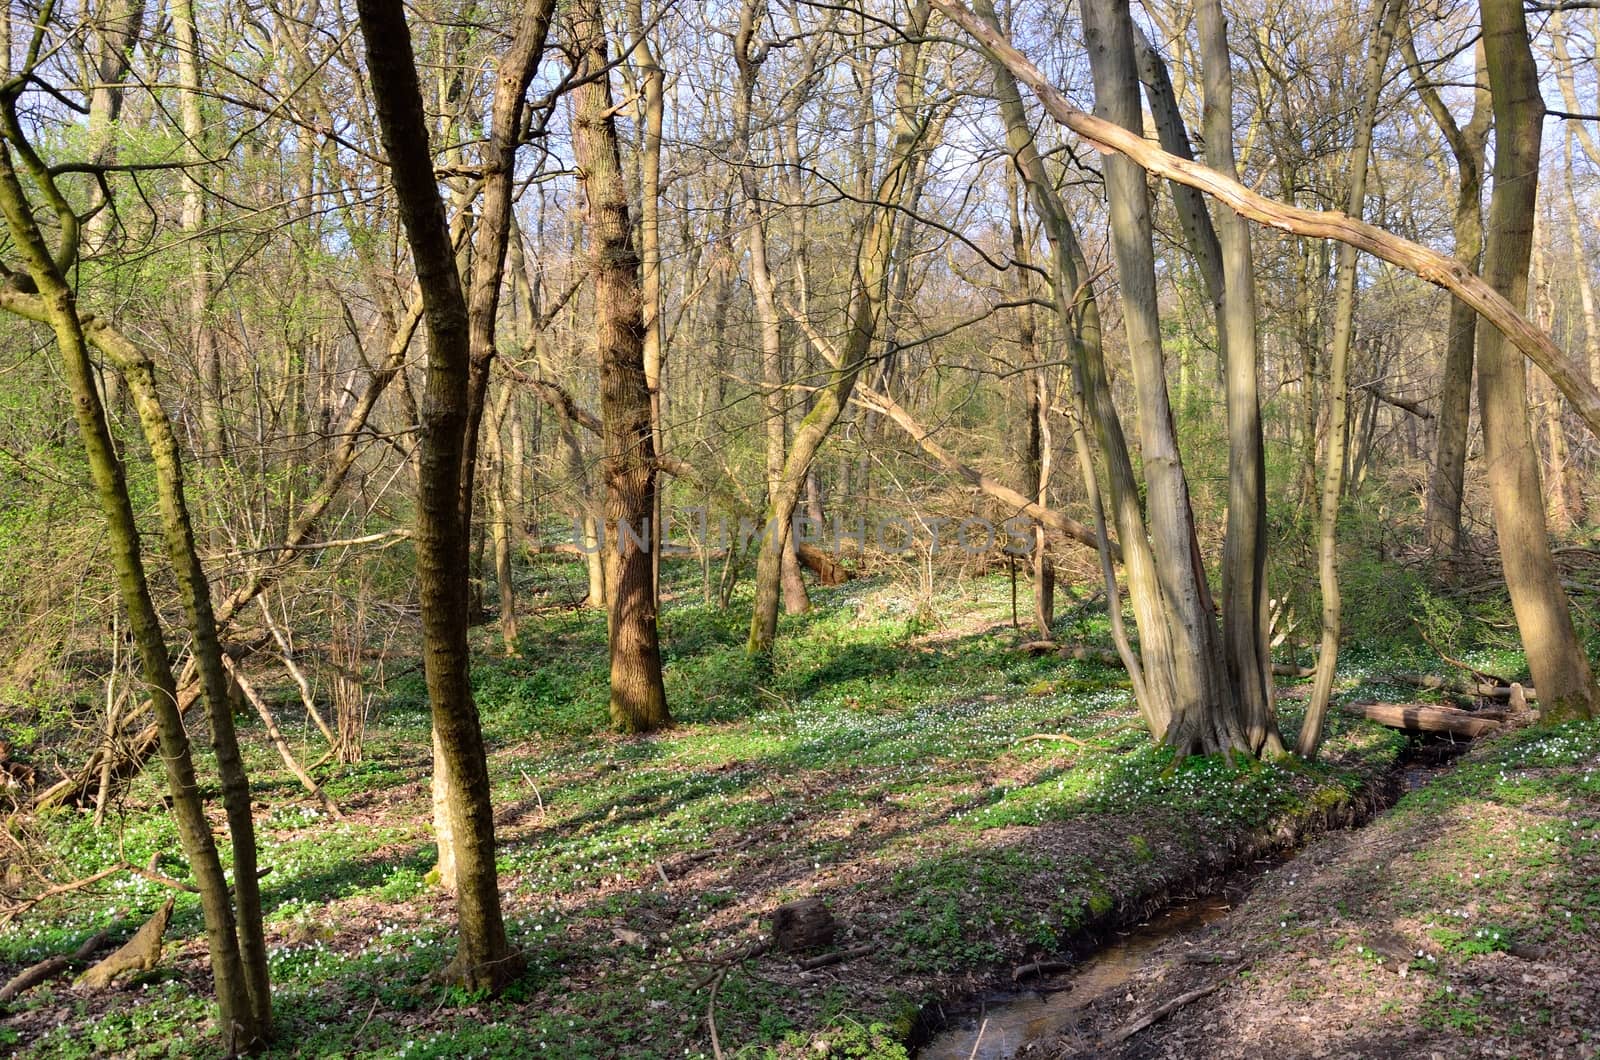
(997, 1026)
(1003, 1023)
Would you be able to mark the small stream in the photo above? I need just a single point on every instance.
(997, 1025)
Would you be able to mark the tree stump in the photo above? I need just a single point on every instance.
(803, 925)
(138, 954)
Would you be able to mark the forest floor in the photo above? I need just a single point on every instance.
(1463, 923)
(883, 764)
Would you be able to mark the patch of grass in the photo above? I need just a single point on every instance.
(880, 761)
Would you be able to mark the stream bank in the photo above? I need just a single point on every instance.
(1462, 922)
(1002, 1022)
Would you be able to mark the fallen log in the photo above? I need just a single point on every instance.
(828, 570)
(49, 968)
(1460, 688)
(1420, 717)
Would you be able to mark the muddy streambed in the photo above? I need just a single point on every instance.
(1000, 1024)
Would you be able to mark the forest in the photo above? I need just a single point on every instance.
(799, 528)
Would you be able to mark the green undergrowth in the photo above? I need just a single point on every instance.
(881, 761)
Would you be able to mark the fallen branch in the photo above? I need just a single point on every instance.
(1481, 676)
(61, 888)
(1053, 736)
(1162, 1011)
(138, 954)
(828, 570)
(811, 964)
(50, 967)
(279, 742)
(1460, 688)
(1107, 657)
(1210, 957)
(1020, 505)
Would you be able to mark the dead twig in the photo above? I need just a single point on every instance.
(1482, 676)
(711, 1010)
(61, 888)
(1162, 1011)
(811, 964)
(979, 1039)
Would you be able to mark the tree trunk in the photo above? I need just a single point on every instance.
(238, 968)
(202, 343)
(869, 290)
(1555, 656)
(1344, 315)
(500, 522)
(1036, 465)
(484, 959)
(653, 84)
(638, 697)
(1204, 718)
(1244, 553)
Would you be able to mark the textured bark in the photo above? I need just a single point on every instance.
(638, 697)
(1555, 656)
(195, 590)
(1344, 315)
(1204, 718)
(484, 959)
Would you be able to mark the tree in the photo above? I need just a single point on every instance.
(1468, 146)
(42, 292)
(460, 346)
(1555, 656)
(1204, 719)
(638, 697)
(1339, 389)
(868, 293)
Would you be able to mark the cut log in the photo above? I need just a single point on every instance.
(803, 925)
(1459, 687)
(138, 954)
(828, 570)
(1419, 717)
